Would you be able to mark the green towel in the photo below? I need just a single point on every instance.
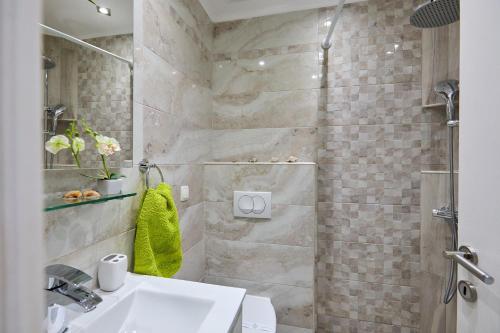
(158, 246)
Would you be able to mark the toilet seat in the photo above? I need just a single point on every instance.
(258, 315)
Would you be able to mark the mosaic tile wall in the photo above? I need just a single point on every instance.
(104, 94)
(96, 89)
(375, 139)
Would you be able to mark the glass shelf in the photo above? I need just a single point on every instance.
(52, 204)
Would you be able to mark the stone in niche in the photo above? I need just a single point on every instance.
(292, 159)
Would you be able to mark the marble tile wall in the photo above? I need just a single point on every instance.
(81, 236)
(266, 88)
(272, 258)
(374, 139)
(173, 99)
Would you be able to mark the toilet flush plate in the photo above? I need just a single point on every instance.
(252, 204)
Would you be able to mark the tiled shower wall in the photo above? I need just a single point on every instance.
(375, 139)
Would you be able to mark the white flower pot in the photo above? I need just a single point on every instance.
(109, 186)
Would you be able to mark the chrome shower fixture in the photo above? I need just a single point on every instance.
(48, 63)
(54, 113)
(436, 13)
(448, 90)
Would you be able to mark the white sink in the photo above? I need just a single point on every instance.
(148, 304)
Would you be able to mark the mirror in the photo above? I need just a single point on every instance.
(87, 79)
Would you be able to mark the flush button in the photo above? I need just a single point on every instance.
(252, 204)
(246, 204)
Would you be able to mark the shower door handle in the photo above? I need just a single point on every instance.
(467, 258)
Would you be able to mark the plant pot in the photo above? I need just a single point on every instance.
(109, 186)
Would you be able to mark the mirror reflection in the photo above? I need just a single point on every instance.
(87, 81)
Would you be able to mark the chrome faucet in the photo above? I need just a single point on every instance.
(64, 285)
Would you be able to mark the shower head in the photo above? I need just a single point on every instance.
(54, 113)
(436, 13)
(48, 63)
(448, 90)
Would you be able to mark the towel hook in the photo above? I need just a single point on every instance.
(145, 167)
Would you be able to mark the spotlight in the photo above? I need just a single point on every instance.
(101, 10)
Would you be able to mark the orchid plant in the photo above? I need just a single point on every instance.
(106, 147)
(70, 140)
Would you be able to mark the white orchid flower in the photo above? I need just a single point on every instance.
(57, 143)
(107, 146)
(78, 145)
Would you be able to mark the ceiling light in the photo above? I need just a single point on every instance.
(262, 63)
(328, 23)
(101, 10)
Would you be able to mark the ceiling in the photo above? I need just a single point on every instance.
(79, 18)
(229, 10)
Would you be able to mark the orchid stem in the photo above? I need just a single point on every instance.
(108, 175)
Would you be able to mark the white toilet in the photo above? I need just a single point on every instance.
(258, 315)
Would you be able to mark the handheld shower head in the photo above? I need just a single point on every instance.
(448, 90)
(436, 13)
(48, 63)
(55, 113)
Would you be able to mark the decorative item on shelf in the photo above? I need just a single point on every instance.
(71, 196)
(274, 160)
(253, 160)
(107, 182)
(292, 159)
(71, 140)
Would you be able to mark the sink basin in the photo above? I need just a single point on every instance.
(148, 304)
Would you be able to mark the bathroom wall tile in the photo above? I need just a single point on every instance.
(86, 259)
(181, 175)
(296, 108)
(166, 89)
(264, 143)
(335, 324)
(291, 265)
(192, 226)
(170, 36)
(193, 264)
(290, 225)
(432, 308)
(293, 305)
(74, 228)
(167, 142)
(399, 265)
(268, 73)
(380, 303)
(290, 184)
(292, 329)
(266, 32)
(376, 224)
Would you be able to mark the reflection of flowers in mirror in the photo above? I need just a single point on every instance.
(107, 146)
(57, 143)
